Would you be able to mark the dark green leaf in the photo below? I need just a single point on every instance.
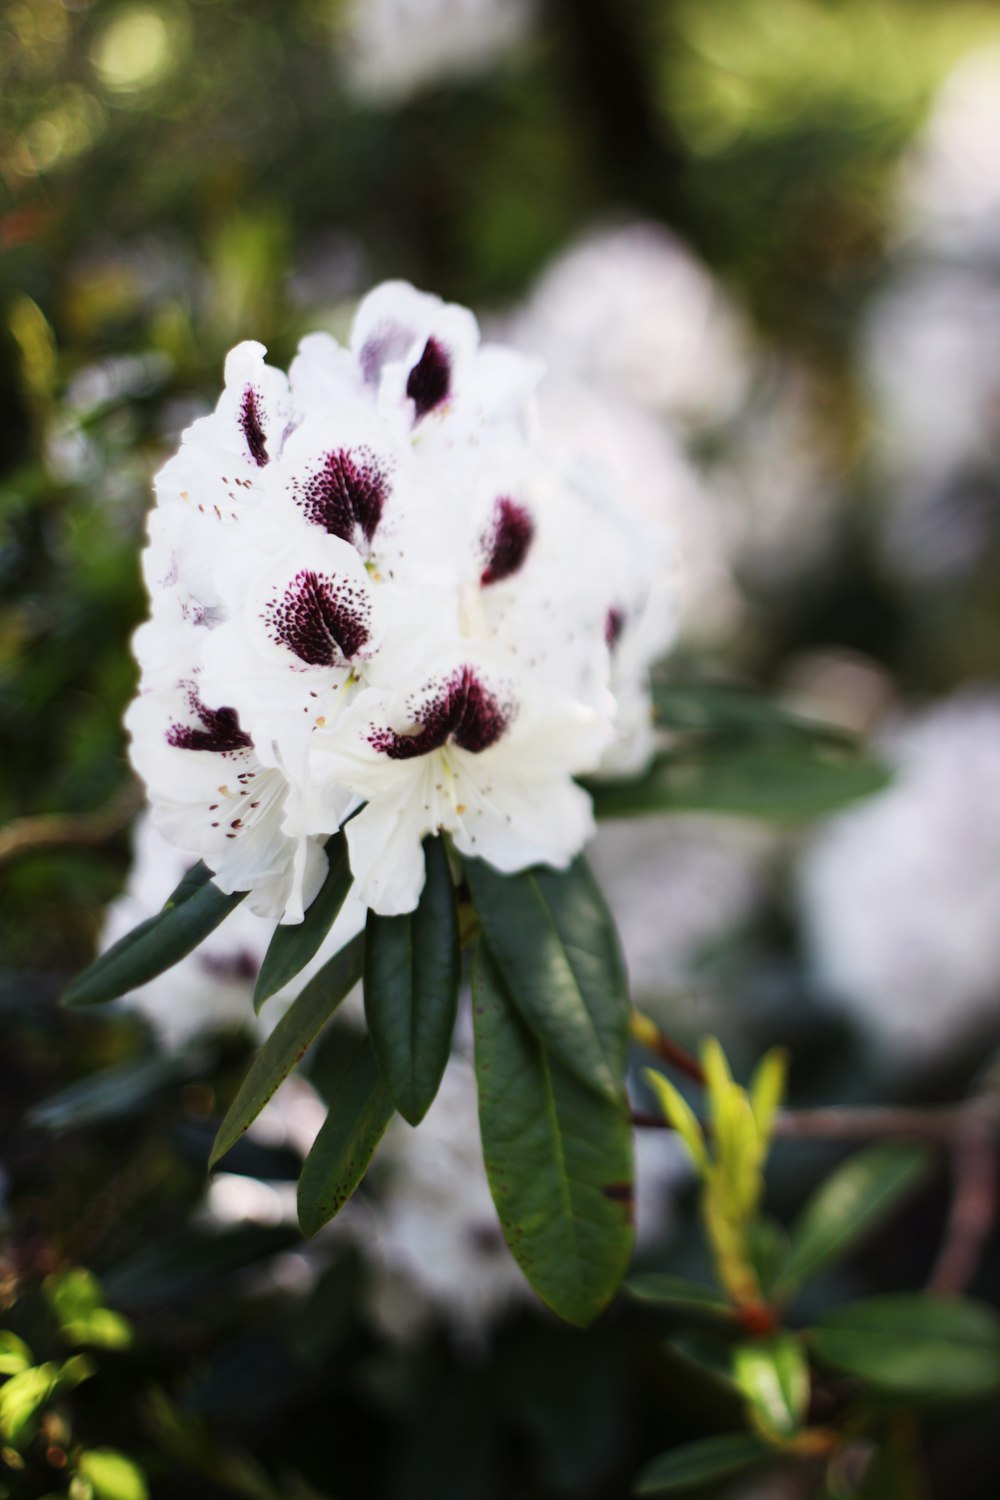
(852, 1202)
(727, 709)
(766, 779)
(193, 911)
(111, 1094)
(695, 1464)
(412, 968)
(289, 1041)
(554, 942)
(675, 1292)
(291, 947)
(558, 1158)
(360, 1109)
(914, 1346)
(192, 1263)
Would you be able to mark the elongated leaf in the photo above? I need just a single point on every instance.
(112, 1476)
(412, 969)
(194, 910)
(719, 708)
(695, 1464)
(674, 1292)
(913, 1346)
(774, 1376)
(193, 1263)
(554, 942)
(558, 1158)
(681, 1116)
(360, 1109)
(110, 1094)
(291, 947)
(765, 779)
(289, 1041)
(852, 1202)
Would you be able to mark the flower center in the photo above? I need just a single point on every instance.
(220, 729)
(323, 620)
(507, 542)
(460, 709)
(346, 493)
(429, 382)
(614, 624)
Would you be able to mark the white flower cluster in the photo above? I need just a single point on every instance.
(372, 589)
(901, 895)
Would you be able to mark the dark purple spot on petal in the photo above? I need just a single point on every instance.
(614, 624)
(461, 709)
(253, 429)
(346, 493)
(220, 730)
(323, 620)
(507, 542)
(429, 382)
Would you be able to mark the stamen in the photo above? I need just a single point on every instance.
(323, 620)
(220, 732)
(507, 543)
(253, 428)
(346, 493)
(463, 710)
(429, 382)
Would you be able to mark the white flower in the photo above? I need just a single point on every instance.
(369, 581)
(901, 895)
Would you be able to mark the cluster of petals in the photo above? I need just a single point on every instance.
(375, 600)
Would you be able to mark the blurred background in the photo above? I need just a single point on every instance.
(758, 245)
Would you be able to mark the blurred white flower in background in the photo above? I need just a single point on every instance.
(388, 50)
(949, 201)
(679, 886)
(900, 897)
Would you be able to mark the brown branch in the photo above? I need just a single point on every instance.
(975, 1166)
(70, 830)
(648, 1035)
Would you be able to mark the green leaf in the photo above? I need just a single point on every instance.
(914, 1346)
(695, 1464)
(113, 1476)
(675, 1292)
(767, 1088)
(22, 1396)
(728, 709)
(14, 1353)
(289, 1041)
(553, 940)
(291, 947)
(853, 1201)
(781, 780)
(194, 1262)
(360, 1110)
(774, 1376)
(111, 1094)
(194, 910)
(558, 1158)
(412, 970)
(76, 1298)
(681, 1116)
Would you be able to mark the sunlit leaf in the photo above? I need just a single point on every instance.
(112, 1475)
(774, 1376)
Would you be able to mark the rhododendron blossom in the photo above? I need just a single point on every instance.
(375, 596)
